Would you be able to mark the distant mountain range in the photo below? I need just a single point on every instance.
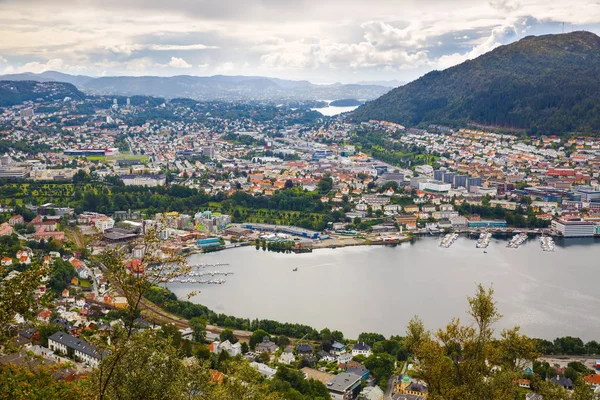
(540, 84)
(218, 87)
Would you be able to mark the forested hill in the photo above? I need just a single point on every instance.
(16, 92)
(542, 84)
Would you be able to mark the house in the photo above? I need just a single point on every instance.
(323, 355)
(361, 371)
(562, 381)
(79, 348)
(344, 386)
(523, 383)
(533, 396)
(406, 396)
(304, 348)
(287, 357)
(337, 348)
(264, 369)
(44, 315)
(232, 349)
(6, 261)
(593, 380)
(344, 358)
(361, 348)
(6, 229)
(65, 293)
(83, 273)
(16, 220)
(266, 346)
(371, 393)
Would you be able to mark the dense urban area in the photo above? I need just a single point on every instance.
(103, 198)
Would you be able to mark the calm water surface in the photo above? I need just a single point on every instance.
(378, 289)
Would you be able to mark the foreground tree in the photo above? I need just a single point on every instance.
(465, 361)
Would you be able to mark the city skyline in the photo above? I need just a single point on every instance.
(381, 41)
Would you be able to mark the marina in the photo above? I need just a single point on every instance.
(517, 241)
(484, 240)
(547, 243)
(448, 240)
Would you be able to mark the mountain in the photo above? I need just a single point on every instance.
(16, 92)
(545, 84)
(218, 87)
(394, 83)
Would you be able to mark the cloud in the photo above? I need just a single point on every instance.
(226, 67)
(177, 62)
(175, 47)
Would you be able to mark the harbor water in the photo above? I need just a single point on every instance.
(378, 289)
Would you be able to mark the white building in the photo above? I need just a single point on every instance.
(574, 228)
(79, 348)
(361, 348)
(144, 180)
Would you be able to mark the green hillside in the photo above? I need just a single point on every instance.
(542, 84)
(16, 92)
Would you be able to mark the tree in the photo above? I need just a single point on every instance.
(460, 361)
(257, 337)
(227, 334)
(289, 184)
(134, 285)
(198, 325)
(245, 348)
(263, 357)
(16, 294)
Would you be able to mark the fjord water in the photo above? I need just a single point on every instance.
(378, 289)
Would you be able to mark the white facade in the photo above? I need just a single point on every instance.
(574, 228)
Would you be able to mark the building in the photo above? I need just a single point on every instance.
(434, 186)
(267, 346)
(574, 227)
(76, 348)
(338, 348)
(487, 224)
(264, 369)
(16, 220)
(371, 393)
(344, 386)
(361, 348)
(144, 180)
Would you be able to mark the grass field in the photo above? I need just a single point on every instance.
(84, 283)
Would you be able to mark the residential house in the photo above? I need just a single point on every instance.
(361, 371)
(562, 381)
(593, 380)
(344, 358)
(361, 348)
(79, 348)
(533, 396)
(287, 357)
(323, 355)
(6, 229)
(371, 393)
(304, 348)
(44, 315)
(16, 220)
(6, 261)
(337, 348)
(267, 346)
(344, 386)
(264, 369)
(232, 349)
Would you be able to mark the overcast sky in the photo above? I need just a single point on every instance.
(322, 41)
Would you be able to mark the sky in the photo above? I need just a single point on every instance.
(322, 41)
